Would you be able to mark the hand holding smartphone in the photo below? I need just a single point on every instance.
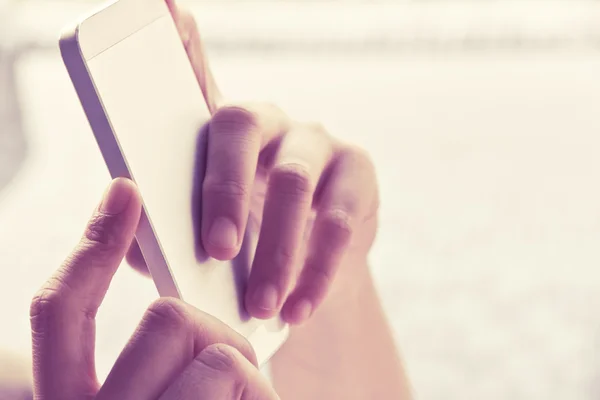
(147, 111)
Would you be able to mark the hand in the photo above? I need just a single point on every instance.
(177, 352)
(312, 199)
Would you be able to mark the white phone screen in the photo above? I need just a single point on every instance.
(156, 109)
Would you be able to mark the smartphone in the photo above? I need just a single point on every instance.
(148, 114)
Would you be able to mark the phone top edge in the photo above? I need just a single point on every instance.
(68, 43)
(112, 23)
(70, 32)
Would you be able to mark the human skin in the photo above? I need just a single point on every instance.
(313, 200)
(176, 353)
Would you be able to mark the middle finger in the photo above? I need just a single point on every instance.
(236, 136)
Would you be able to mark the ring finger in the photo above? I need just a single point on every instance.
(343, 205)
(302, 157)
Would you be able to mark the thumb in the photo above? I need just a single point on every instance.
(220, 372)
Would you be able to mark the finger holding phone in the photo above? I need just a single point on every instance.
(311, 199)
(177, 352)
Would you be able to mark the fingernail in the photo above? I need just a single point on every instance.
(266, 297)
(117, 197)
(223, 234)
(301, 311)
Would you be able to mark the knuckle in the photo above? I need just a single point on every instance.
(338, 225)
(188, 17)
(224, 364)
(359, 156)
(319, 277)
(283, 258)
(317, 128)
(270, 108)
(235, 119)
(221, 358)
(292, 180)
(167, 314)
(229, 188)
(101, 230)
(45, 302)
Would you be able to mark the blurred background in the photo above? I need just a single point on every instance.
(480, 116)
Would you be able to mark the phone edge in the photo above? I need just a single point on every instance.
(108, 143)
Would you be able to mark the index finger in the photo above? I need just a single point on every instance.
(63, 311)
(190, 36)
